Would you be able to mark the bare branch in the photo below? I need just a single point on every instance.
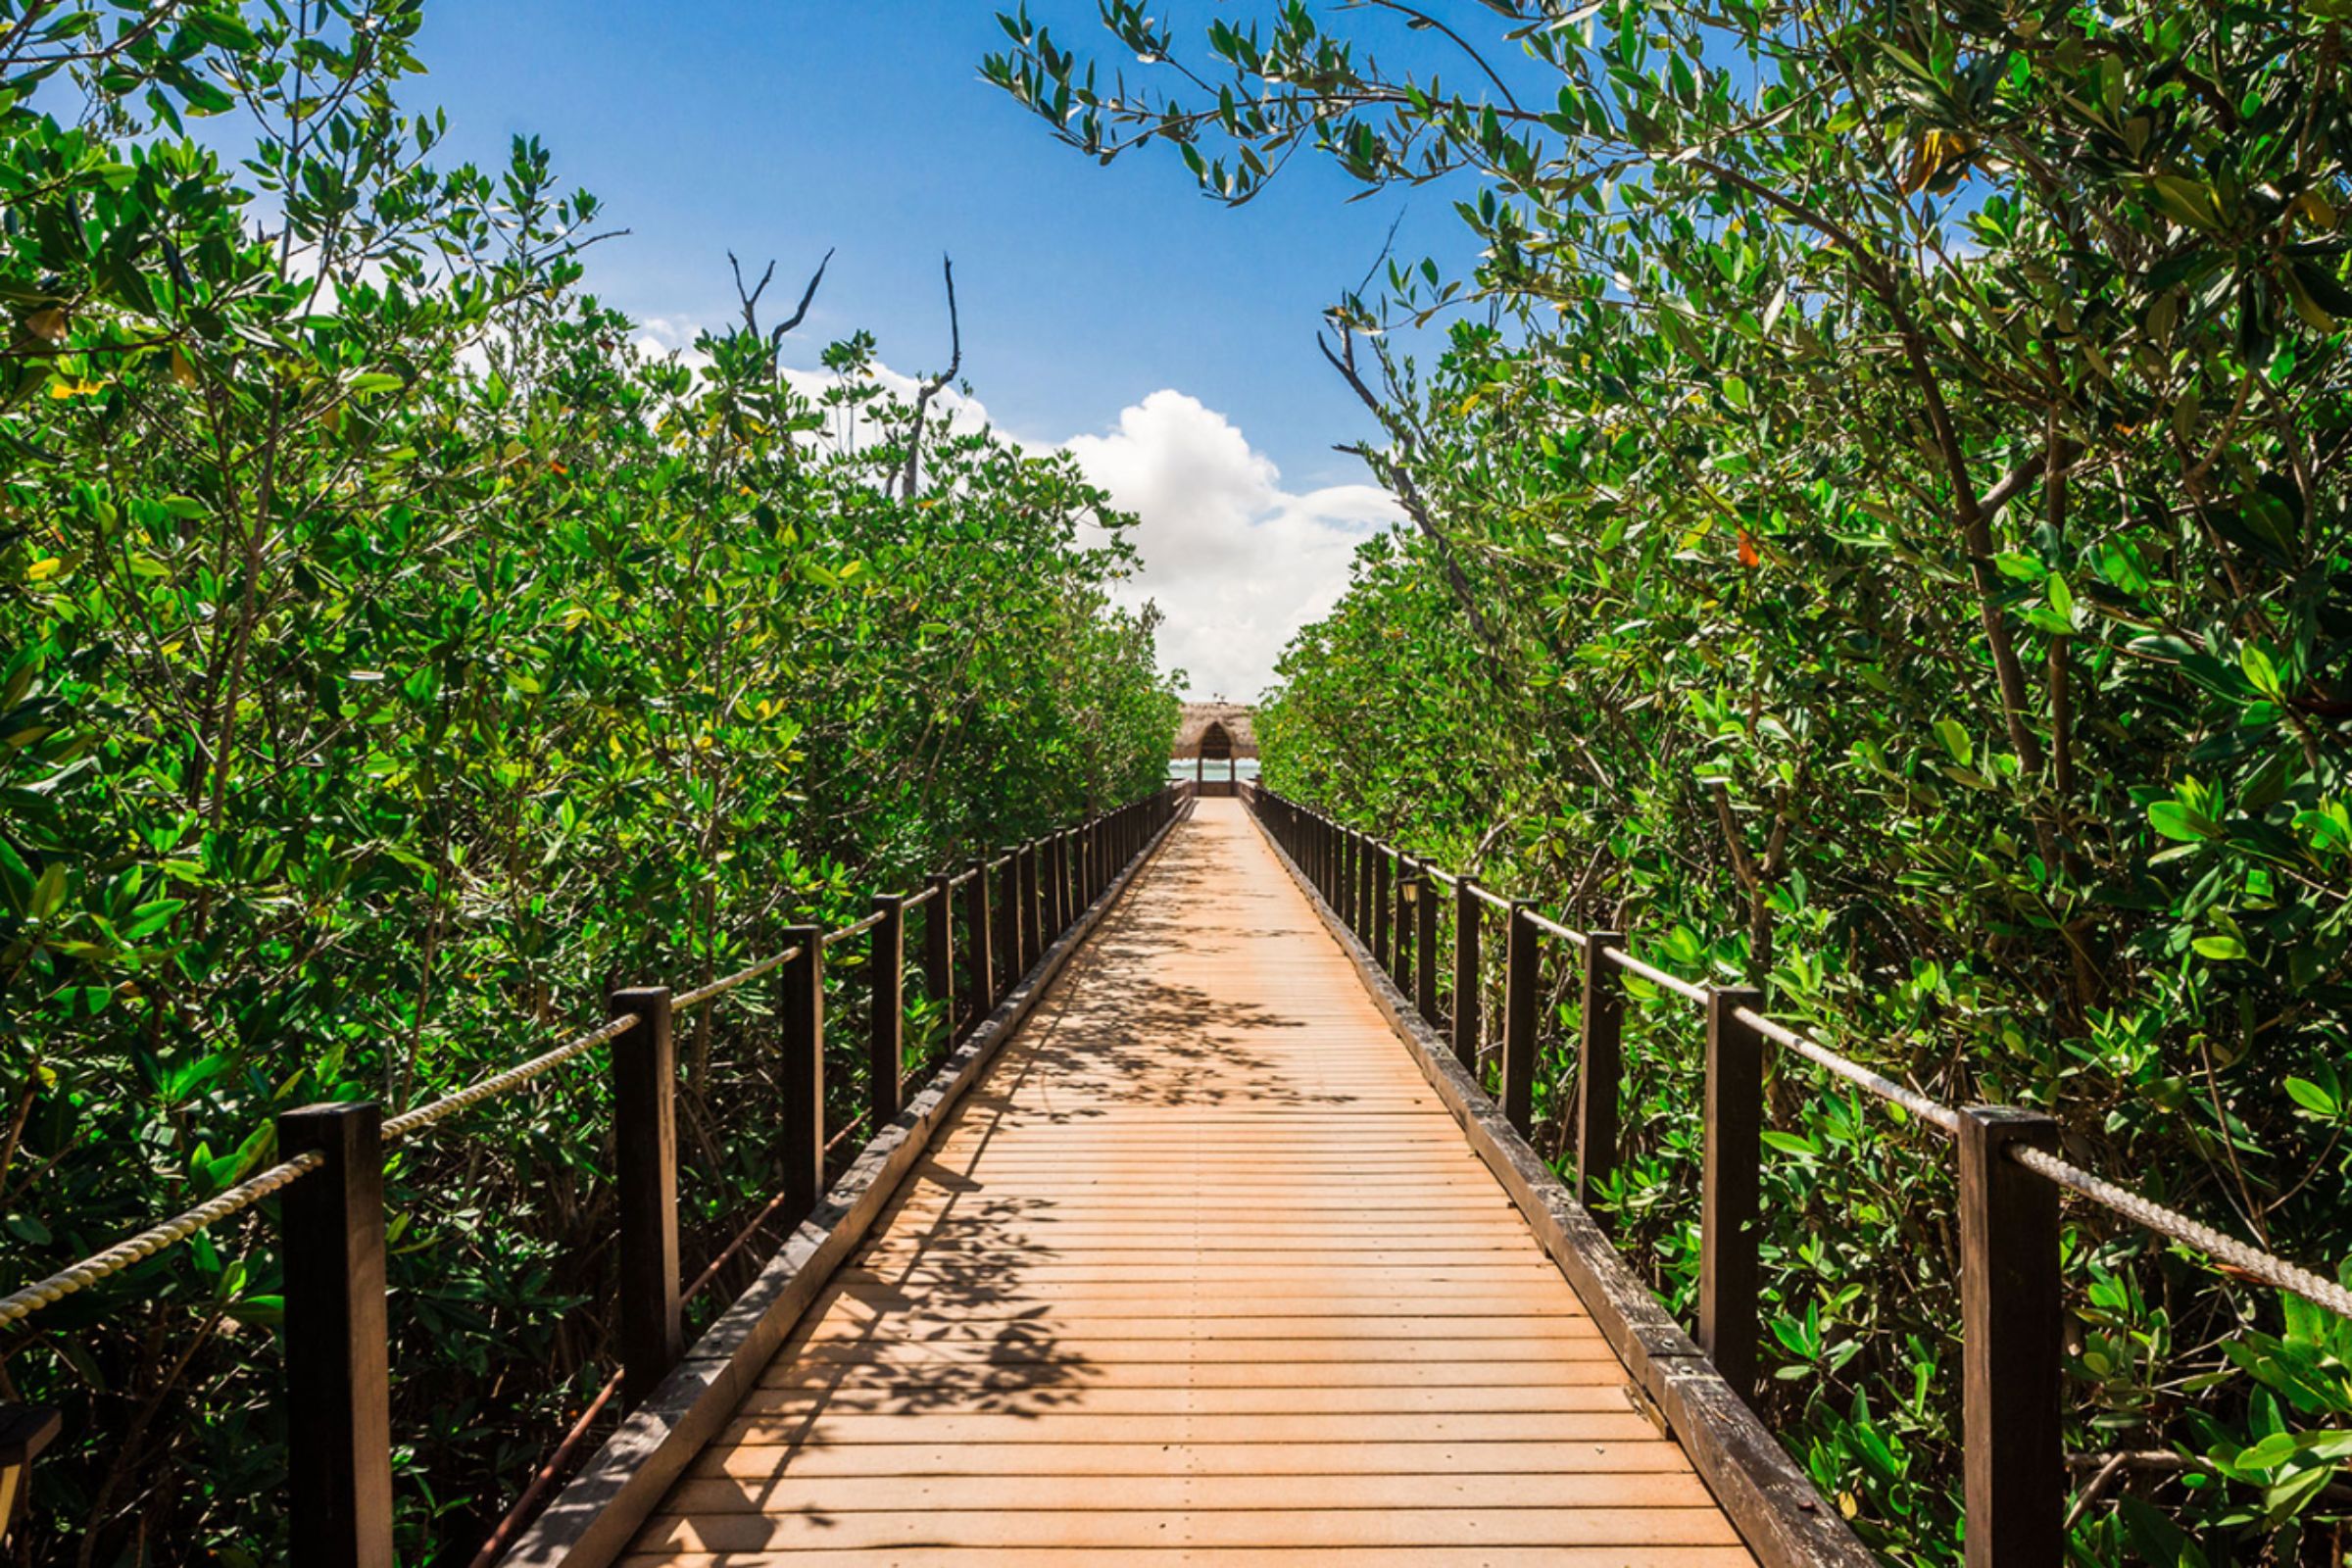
(775, 339)
(1398, 476)
(749, 300)
(933, 387)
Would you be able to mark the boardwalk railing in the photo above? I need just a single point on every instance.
(2010, 1171)
(331, 1174)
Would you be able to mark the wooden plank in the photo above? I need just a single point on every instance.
(1454, 1329)
(1621, 1425)
(1649, 1456)
(866, 1394)
(1087, 1495)
(1187, 1374)
(1223, 1557)
(1075, 1353)
(1496, 1528)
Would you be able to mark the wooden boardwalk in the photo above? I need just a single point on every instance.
(1201, 1271)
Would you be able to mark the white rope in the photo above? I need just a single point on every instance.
(1878, 1082)
(172, 1232)
(2275, 1272)
(425, 1116)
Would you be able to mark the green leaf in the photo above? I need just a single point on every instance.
(2220, 949)
(2156, 1539)
(1956, 741)
(2175, 820)
(2260, 670)
(2061, 596)
(2311, 1097)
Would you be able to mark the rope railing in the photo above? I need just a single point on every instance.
(21, 1304)
(1918, 1105)
(1688, 989)
(1546, 924)
(741, 977)
(2010, 1173)
(854, 929)
(31, 1299)
(333, 1245)
(504, 1083)
(2170, 1223)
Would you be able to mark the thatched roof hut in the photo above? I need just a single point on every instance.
(1216, 730)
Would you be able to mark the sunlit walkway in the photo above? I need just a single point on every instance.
(1200, 1272)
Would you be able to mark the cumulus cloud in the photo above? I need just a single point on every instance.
(1237, 563)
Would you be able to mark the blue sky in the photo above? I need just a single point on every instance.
(782, 127)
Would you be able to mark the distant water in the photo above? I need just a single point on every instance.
(1182, 767)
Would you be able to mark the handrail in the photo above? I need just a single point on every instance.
(2271, 1269)
(2010, 1170)
(23, 1302)
(2274, 1272)
(1681, 987)
(498, 1084)
(720, 988)
(146, 1244)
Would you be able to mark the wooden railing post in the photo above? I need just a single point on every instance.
(1010, 941)
(939, 950)
(2012, 1336)
(802, 1064)
(26, 1430)
(979, 931)
(1063, 908)
(1731, 1200)
(645, 1135)
(1425, 947)
(1381, 907)
(1519, 981)
(1033, 909)
(1349, 864)
(339, 1364)
(1600, 1064)
(886, 1024)
(1466, 998)
(1359, 886)
(1400, 936)
(1056, 888)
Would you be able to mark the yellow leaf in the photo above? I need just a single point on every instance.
(43, 570)
(1933, 153)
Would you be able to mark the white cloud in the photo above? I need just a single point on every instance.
(1237, 563)
(660, 335)
(669, 336)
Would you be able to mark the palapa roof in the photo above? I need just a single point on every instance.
(1199, 716)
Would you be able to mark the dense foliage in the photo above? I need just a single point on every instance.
(1880, 530)
(392, 657)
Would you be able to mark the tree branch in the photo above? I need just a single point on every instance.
(932, 388)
